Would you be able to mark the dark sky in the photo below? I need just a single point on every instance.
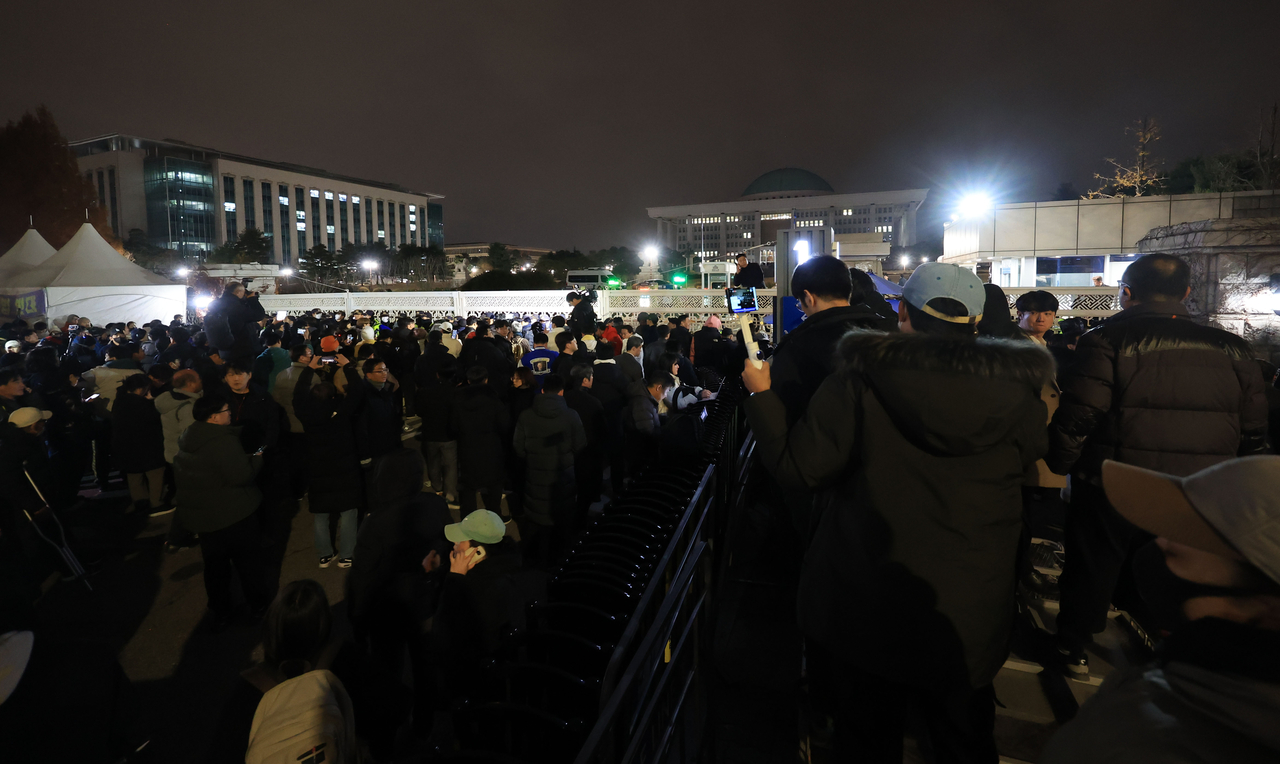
(554, 124)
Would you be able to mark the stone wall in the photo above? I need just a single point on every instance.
(1232, 262)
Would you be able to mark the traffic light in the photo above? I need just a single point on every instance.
(678, 278)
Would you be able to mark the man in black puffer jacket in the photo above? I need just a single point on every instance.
(1152, 389)
(548, 436)
(481, 425)
(916, 446)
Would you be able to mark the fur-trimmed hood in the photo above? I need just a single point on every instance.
(949, 395)
(1012, 360)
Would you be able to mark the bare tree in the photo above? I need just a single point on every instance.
(1140, 178)
(1268, 161)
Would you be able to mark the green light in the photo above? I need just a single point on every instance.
(678, 278)
(614, 282)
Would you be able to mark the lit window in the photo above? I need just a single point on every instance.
(284, 200)
(382, 233)
(328, 195)
(412, 217)
(413, 226)
(315, 193)
(302, 226)
(228, 206)
(412, 208)
(342, 197)
(355, 200)
(301, 215)
(328, 229)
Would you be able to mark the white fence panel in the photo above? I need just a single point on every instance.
(1085, 302)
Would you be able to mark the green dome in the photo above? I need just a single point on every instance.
(788, 179)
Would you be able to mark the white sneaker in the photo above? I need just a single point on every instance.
(327, 561)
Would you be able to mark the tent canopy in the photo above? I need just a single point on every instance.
(86, 261)
(30, 251)
(885, 286)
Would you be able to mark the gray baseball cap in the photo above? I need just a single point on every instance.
(1231, 509)
(933, 280)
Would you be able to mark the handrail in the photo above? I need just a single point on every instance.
(653, 589)
(669, 606)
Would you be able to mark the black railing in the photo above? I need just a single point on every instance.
(608, 669)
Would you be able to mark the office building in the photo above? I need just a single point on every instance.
(790, 198)
(192, 199)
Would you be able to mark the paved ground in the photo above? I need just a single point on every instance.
(149, 607)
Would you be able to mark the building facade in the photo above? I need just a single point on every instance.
(192, 199)
(789, 198)
(1069, 243)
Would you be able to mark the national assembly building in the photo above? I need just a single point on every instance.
(863, 224)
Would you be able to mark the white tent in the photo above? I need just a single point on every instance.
(31, 250)
(89, 278)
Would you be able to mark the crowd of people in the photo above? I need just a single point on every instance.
(907, 446)
(383, 427)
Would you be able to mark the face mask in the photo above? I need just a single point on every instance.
(1166, 594)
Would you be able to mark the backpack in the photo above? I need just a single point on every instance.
(682, 433)
(304, 720)
(217, 329)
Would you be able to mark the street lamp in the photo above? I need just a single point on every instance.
(370, 266)
(286, 272)
(183, 272)
(905, 261)
(650, 253)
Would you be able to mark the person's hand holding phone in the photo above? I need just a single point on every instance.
(461, 562)
(341, 360)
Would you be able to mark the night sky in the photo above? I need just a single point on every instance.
(554, 124)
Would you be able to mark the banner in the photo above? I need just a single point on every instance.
(25, 305)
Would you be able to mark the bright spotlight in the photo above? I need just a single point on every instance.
(371, 265)
(905, 261)
(203, 301)
(286, 271)
(183, 271)
(650, 253)
(801, 249)
(974, 205)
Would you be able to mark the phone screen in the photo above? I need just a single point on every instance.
(93, 397)
(281, 314)
(328, 359)
(741, 300)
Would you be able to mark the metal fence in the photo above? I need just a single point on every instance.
(1084, 302)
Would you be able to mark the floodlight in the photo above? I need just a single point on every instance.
(905, 261)
(286, 271)
(370, 264)
(183, 271)
(650, 253)
(801, 249)
(203, 301)
(974, 205)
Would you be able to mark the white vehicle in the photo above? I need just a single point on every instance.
(590, 278)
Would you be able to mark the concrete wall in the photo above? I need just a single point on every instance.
(1079, 227)
(131, 200)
